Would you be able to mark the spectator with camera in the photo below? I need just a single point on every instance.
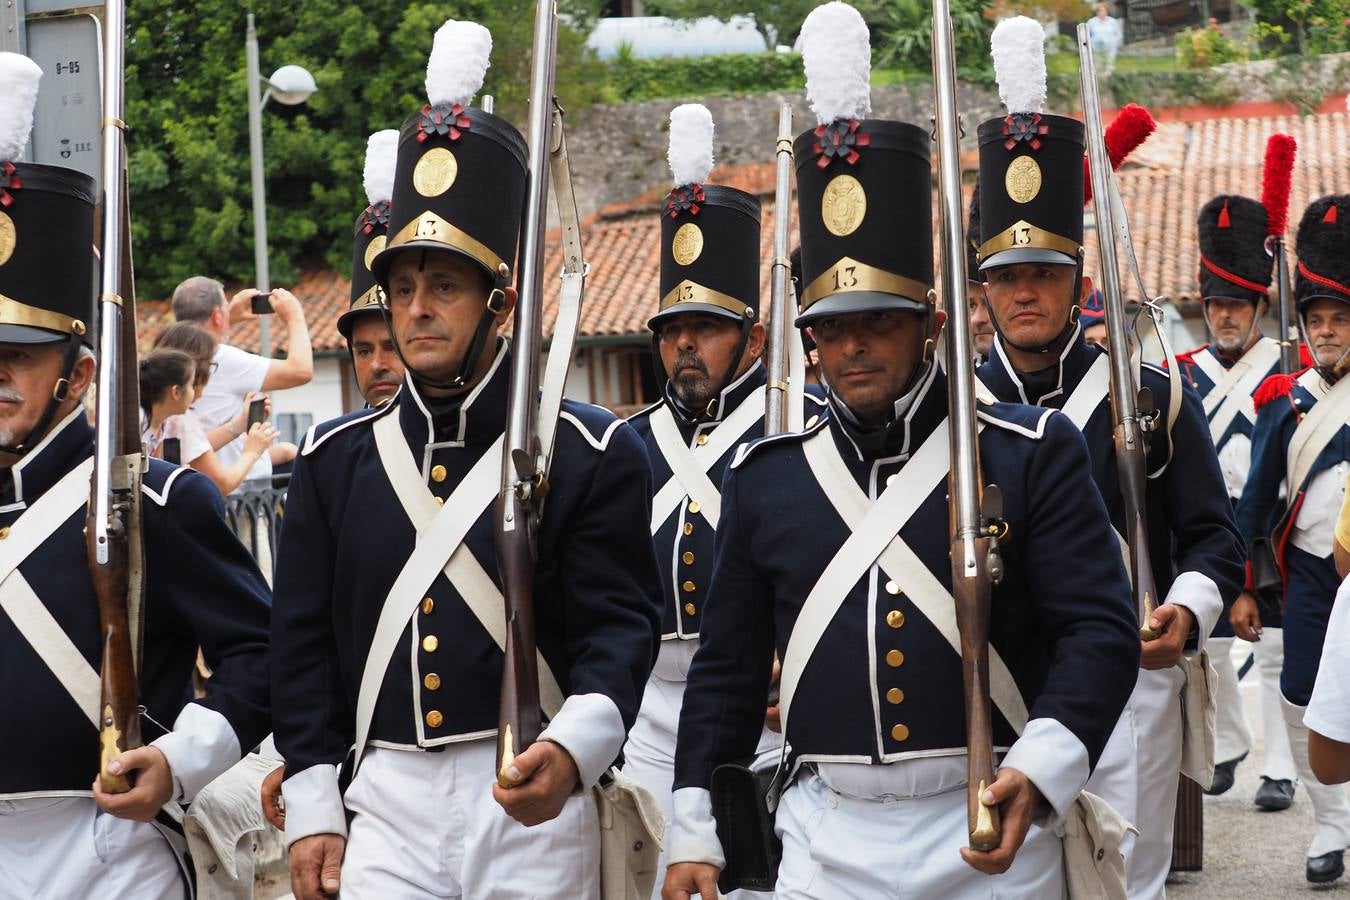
(237, 373)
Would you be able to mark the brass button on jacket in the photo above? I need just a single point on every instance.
(431, 642)
(690, 609)
(895, 696)
(427, 606)
(687, 558)
(701, 440)
(438, 473)
(694, 506)
(895, 659)
(892, 588)
(688, 587)
(434, 718)
(688, 527)
(895, 618)
(432, 681)
(900, 732)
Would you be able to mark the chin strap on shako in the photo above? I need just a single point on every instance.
(496, 302)
(59, 393)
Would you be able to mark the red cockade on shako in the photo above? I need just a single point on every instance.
(685, 198)
(442, 120)
(375, 216)
(839, 140)
(9, 182)
(1026, 128)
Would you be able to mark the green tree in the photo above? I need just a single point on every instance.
(188, 118)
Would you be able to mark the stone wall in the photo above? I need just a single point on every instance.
(619, 152)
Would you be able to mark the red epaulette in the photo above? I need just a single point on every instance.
(1274, 387)
(1304, 357)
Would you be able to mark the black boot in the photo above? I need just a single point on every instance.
(1225, 773)
(1326, 868)
(1274, 794)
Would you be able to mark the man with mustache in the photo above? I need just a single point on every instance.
(1031, 256)
(386, 629)
(707, 341)
(1301, 422)
(1234, 279)
(874, 790)
(61, 833)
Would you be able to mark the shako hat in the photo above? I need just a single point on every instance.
(460, 175)
(46, 228)
(372, 228)
(1233, 259)
(1031, 163)
(709, 233)
(864, 186)
(1323, 252)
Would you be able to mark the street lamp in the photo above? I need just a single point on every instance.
(291, 86)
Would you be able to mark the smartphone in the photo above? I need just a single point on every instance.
(173, 451)
(257, 412)
(262, 304)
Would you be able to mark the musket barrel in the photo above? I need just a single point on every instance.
(1289, 356)
(780, 316)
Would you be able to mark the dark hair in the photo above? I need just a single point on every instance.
(193, 340)
(162, 369)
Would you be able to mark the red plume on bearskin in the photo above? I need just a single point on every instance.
(1277, 175)
(1132, 126)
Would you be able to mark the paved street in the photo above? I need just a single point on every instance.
(1250, 853)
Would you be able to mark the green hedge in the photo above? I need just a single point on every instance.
(636, 79)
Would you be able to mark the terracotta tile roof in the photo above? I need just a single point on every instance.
(1163, 184)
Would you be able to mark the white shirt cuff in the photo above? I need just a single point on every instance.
(1200, 595)
(1054, 759)
(313, 804)
(590, 728)
(693, 830)
(201, 746)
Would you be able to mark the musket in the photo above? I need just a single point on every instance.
(974, 509)
(113, 520)
(524, 467)
(1276, 170)
(781, 329)
(1131, 406)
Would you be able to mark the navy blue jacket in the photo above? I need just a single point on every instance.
(1198, 556)
(1061, 617)
(684, 541)
(202, 590)
(346, 538)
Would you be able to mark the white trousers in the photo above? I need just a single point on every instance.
(426, 826)
(838, 846)
(65, 847)
(1137, 774)
(1331, 809)
(649, 755)
(1232, 737)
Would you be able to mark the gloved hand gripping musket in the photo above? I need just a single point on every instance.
(975, 509)
(1131, 406)
(529, 435)
(113, 523)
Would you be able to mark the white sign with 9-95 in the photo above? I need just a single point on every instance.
(68, 118)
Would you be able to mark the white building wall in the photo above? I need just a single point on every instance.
(321, 399)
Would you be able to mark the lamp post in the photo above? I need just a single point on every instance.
(290, 85)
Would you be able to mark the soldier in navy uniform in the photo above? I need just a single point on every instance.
(876, 802)
(375, 360)
(57, 838)
(1234, 277)
(707, 341)
(1031, 254)
(1308, 409)
(423, 815)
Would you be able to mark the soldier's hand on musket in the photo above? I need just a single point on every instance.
(1245, 617)
(316, 866)
(1017, 800)
(152, 785)
(544, 775)
(1175, 622)
(690, 879)
(273, 807)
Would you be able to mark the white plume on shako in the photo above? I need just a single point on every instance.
(691, 144)
(458, 62)
(381, 155)
(19, 77)
(1018, 48)
(837, 57)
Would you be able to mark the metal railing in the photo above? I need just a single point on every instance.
(254, 515)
